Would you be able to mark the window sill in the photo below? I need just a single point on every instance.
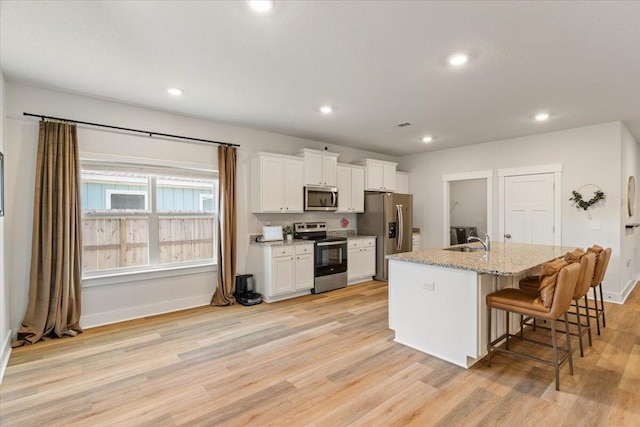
(156, 273)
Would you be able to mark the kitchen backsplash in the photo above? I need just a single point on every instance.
(334, 220)
(331, 233)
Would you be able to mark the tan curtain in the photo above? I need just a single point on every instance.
(56, 271)
(227, 229)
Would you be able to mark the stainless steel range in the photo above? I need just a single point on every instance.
(330, 255)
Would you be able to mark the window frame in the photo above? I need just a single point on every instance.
(154, 269)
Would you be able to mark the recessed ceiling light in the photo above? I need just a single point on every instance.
(174, 91)
(541, 117)
(427, 138)
(261, 6)
(458, 59)
(326, 109)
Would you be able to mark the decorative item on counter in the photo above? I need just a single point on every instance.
(288, 230)
(344, 222)
(579, 201)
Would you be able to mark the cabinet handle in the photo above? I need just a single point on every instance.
(292, 258)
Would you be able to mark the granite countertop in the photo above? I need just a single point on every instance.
(504, 259)
(294, 242)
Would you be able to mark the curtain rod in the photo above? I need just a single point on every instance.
(146, 132)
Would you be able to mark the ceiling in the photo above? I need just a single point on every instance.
(378, 64)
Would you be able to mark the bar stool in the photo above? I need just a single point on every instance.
(602, 262)
(532, 283)
(536, 305)
(585, 278)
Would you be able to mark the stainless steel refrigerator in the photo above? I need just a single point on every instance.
(389, 217)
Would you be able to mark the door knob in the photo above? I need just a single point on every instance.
(508, 236)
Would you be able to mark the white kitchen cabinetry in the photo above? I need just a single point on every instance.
(361, 260)
(379, 175)
(402, 182)
(276, 183)
(282, 271)
(350, 188)
(304, 268)
(320, 167)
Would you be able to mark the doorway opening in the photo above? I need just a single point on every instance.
(467, 206)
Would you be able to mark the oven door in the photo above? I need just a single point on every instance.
(320, 199)
(331, 258)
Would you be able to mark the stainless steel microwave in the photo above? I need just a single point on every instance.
(320, 199)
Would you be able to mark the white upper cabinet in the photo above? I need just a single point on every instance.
(293, 188)
(350, 188)
(276, 183)
(379, 175)
(320, 167)
(402, 182)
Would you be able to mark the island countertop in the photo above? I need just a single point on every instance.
(504, 259)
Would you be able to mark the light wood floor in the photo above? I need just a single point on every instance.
(325, 360)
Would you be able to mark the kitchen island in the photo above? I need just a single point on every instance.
(437, 296)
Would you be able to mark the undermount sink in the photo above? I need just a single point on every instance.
(465, 249)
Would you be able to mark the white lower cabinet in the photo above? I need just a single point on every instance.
(282, 271)
(361, 260)
(304, 269)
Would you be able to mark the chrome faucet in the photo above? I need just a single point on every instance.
(486, 244)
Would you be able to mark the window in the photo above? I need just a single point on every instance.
(139, 218)
(126, 199)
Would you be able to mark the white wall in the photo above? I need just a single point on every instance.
(590, 154)
(468, 203)
(628, 237)
(5, 327)
(109, 303)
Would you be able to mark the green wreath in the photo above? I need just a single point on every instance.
(586, 204)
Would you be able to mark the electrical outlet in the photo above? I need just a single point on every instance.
(594, 225)
(429, 286)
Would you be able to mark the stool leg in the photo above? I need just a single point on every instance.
(579, 328)
(586, 305)
(521, 326)
(604, 320)
(566, 328)
(555, 354)
(489, 346)
(507, 322)
(595, 301)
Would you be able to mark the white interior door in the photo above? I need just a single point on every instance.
(529, 209)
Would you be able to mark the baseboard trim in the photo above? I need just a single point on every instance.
(4, 355)
(116, 316)
(619, 297)
(360, 280)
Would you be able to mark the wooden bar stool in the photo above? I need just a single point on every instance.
(585, 278)
(602, 262)
(562, 279)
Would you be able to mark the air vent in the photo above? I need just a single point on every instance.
(404, 125)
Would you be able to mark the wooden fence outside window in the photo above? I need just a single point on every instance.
(121, 242)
